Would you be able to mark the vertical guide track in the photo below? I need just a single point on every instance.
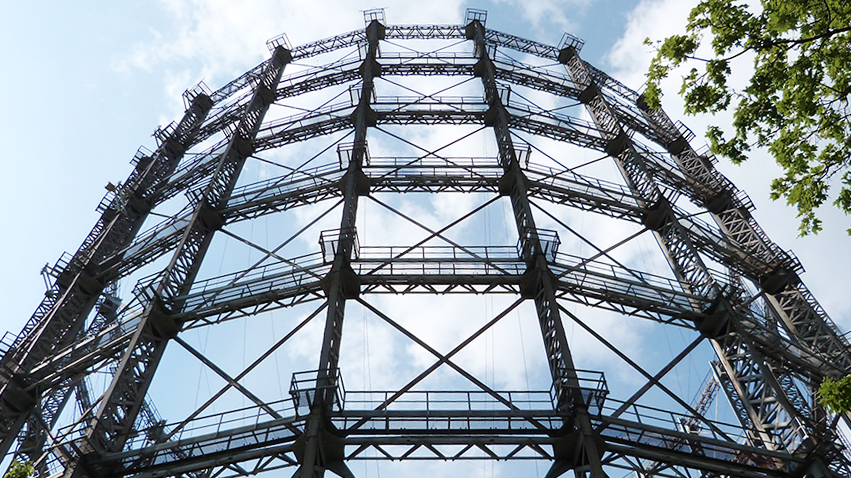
(764, 396)
(111, 425)
(318, 450)
(62, 314)
(583, 452)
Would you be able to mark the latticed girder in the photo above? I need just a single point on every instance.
(62, 314)
(528, 76)
(772, 408)
(425, 175)
(397, 270)
(416, 175)
(534, 248)
(800, 313)
(447, 434)
(761, 367)
(338, 282)
(125, 395)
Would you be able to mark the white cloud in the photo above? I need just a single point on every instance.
(222, 38)
(629, 58)
(549, 11)
(654, 19)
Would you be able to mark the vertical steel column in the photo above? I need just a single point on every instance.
(798, 310)
(62, 314)
(789, 299)
(763, 403)
(112, 423)
(318, 449)
(31, 443)
(354, 184)
(539, 282)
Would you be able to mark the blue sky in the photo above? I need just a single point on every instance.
(85, 84)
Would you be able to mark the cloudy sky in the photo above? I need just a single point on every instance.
(85, 84)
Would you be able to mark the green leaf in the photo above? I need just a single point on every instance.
(835, 395)
(20, 469)
(797, 102)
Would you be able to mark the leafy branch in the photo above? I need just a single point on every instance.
(20, 469)
(797, 99)
(835, 395)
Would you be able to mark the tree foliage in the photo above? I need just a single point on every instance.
(796, 103)
(20, 469)
(835, 395)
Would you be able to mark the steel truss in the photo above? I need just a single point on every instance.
(732, 289)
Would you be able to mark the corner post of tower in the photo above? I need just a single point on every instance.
(582, 447)
(110, 426)
(729, 328)
(318, 448)
(81, 281)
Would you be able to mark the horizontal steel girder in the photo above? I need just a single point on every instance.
(434, 270)
(424, 270)
(427, 175)
(447, 434)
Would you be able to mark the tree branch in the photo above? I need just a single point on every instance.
(801, 41)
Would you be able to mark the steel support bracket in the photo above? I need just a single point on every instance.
(370, 117)
(173, 149)
(163, 324)
(617, 145)
(480, 67)
(677, 146)
(281, 56)
(566, 54)
(210, 219)
(348, 279)
(139, 205)
(373, 65)
(331, 452)
(719, 202)
(89, 285)
(567, 454)
(715, 323)
(362, 183)
(202, 104)
(589, 93)
(491, 115)
(242, 145)
(506, 183)
(529, 282)
(17, 398)
(144, 161)
(470, 30)
(778, 280)
(265, 94)
(381, 30)
(657, 216)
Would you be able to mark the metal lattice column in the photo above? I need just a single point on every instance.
(341, 283)
(110, 426)
(60, 316)
(759, 398)
(540, 280)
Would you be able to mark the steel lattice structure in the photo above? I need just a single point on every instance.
(77, 396)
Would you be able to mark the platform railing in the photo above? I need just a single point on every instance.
(308, 387)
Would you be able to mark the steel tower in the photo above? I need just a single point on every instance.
(216, 230)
